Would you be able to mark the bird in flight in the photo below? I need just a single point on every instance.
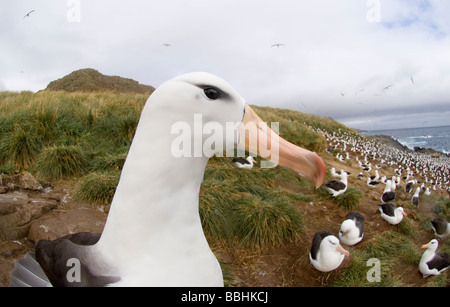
(167, 45)
(278, 45)
(387, 87)
(28, 14)
(412, 80)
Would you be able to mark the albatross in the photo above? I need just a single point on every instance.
(337, 188)
(432, 262)
(391, 214)
(326, 253)
(352, 229)
(246, 163)
(153, 234)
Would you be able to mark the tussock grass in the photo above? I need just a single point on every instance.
(60, 162)
(259, 223)
(31, 123)
(20, 147)
(350, 199)
(98, 188)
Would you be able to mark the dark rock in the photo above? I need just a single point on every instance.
(17, 210)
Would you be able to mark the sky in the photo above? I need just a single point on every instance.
(370, 64)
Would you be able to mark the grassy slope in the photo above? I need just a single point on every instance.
(259, 222)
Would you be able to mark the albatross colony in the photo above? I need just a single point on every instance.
(153, 235)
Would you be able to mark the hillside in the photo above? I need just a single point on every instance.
(90, 80)
(75, 144)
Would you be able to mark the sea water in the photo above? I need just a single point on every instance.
(437, 138)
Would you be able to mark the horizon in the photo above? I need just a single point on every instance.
(409, 128)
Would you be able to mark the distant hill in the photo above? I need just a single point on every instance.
(90, 80)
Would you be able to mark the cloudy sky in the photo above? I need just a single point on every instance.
(371, 64)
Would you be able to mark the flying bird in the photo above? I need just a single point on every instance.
(28, 14)
(278, 45)
(387, 87)
(167, 45)
(412, 80)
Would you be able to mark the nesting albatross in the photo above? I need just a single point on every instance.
(153, 234)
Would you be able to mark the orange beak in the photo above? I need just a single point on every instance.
(342, 250)
(257, 138)
(425, 246)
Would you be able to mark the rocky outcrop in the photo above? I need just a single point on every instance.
(23, 200)
(52, 227)
(17, 211)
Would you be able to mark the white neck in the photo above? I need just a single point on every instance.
(153, 235)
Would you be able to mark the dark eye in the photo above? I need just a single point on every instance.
(212, 93)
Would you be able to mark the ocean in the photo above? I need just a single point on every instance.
(437, 138)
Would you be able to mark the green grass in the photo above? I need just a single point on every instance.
(60, 162)
(390, 249)
(350, 199)
(86, 137)
(259, 223)
(98, 188)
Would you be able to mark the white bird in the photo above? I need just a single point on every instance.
(393, 184)
(433, 263)
(352, 229)
(415, 198)
(326, 253)
(409, 185)
(371, 183)
(334, 173)
(388, 195)
(240, 162)
(153, 234)
(337, 188)
(375, 177)
(391, 214)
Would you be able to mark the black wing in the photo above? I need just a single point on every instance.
(359, 220)
(335, 185)
(240, 160)
(440, 261)
(388, 196)
(318, 237)
(439, 225)
(53, 257)
(388, 209)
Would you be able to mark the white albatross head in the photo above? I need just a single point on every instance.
(210, 99)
